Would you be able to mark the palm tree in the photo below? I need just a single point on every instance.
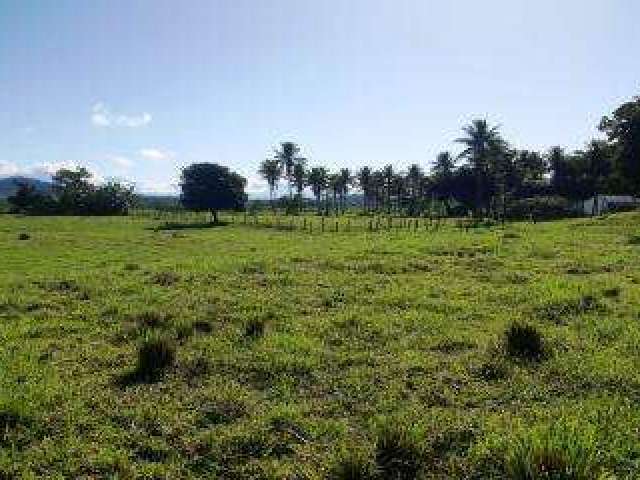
(442, 173)
(414, 184)
(299, 175)
(377, 189)
(480, 141)
(345, 183)
(443, 166)
(271, 170)
(365, 181)
(388, 179)
(287, 155)
(335, 185)
(318, 180)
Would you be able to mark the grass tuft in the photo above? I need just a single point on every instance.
(255, 328)
(400, 452)
(353, 465)
(524, 342)
(155, 355)
(165, 279)
(557, 452)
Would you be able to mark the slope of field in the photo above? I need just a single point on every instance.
(297, 353)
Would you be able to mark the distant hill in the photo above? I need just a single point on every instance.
(8, 185)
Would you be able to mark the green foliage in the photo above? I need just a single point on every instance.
(73, 194)
(539, 208)
(212, 187)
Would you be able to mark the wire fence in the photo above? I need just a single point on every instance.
(308, 223)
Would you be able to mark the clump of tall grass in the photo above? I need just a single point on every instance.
(255, 328)
(400, 451)
(354, 465)
(559, 451)
(155, 355)
(524, 342)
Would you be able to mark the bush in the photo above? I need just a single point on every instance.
(155, 355)
(540, 208)
(524, 342)
(556, 452)
(400, 452)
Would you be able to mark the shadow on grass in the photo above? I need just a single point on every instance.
(188, 226)
(136, 377)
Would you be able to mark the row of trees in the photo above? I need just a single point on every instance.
(73, 193)
(489, 176)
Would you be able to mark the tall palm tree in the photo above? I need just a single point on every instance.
(378, 189)
(365, 182)
(287, 155)
(415, 178)
(388, 178)
(443, 166)
(345, 183)
(271, 170)
(318, 181)
(480, 142)
(442, 173)
(299, 175)
(335, 185)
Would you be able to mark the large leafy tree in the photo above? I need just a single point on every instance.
(271, 171)
(73, 190)
(481, 142)
(622, 128)
(211, 187)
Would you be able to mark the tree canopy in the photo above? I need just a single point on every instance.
(211, 187)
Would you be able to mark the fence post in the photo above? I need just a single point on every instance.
(336, 226)
(322, 225)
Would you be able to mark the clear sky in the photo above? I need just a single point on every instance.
(135, 88)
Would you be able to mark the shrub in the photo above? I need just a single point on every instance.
(540, 208)
(400, 452)
(556, 452)
(155, 355)
(524, 342)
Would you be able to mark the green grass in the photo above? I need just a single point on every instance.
(298, 355)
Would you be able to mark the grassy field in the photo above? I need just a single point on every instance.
(246, 352)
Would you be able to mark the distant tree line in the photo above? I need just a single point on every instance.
(489, 177)
(72, 193)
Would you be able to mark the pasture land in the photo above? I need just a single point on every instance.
(234, 352)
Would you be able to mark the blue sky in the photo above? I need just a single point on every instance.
(136, 89)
